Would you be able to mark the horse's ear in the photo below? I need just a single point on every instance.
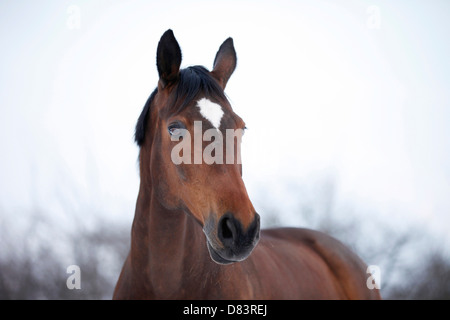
(168, 58)
(225, 62)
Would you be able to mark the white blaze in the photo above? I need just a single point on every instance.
(210, 111)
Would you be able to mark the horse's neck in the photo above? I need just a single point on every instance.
(168, 246)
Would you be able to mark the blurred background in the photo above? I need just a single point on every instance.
(347, 108)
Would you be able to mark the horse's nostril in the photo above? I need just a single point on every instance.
(227, 228)
(235, 242)
(234, 237)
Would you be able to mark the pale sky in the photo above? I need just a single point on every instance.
(352, 90)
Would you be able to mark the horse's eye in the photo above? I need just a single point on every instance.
(176, 129)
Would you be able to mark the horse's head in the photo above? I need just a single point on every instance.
(190, 150)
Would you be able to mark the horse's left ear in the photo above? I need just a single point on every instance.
(225, 62)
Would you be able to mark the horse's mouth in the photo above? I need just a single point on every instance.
(224, 256)
(216, 257)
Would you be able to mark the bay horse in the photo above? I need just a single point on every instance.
(195, 233)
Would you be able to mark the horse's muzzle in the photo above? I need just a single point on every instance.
(232, 242)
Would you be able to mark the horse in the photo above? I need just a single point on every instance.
(195, 233)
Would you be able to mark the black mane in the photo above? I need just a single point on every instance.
(139, 132)
(191, 82)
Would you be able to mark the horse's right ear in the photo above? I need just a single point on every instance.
(168, 58)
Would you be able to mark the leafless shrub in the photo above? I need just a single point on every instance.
(412, 264)
(35, 255)
(34, 259)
